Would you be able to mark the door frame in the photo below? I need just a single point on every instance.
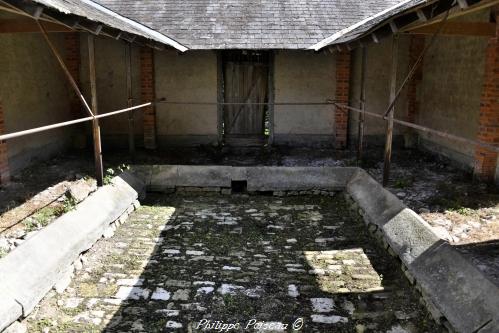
(221, 96)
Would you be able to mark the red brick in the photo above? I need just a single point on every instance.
(342, 97)
(488, 129)
(4, 158)
(148, 95)
(73, 62)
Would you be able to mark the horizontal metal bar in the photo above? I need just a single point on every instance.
(68, 123)
(242, 103)
(424, 129)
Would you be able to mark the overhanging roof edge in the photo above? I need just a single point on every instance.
(153, 33)
(331, 39)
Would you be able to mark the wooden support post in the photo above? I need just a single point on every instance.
(131, 120)
(362, 104)
(389, 125)
(271, 107)
(220, 99)
(99, 170)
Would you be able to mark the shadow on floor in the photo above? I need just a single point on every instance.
(250, 260)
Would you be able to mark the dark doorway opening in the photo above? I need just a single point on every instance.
(246, 114)
(239, 186)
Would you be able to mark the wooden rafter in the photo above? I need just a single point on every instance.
(68, 22)
(456, 12)
(29, 26)
(459, 28)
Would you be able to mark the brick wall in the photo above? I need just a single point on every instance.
(147, 95)
(488, 131)
(342, 91)
(416, 46)
(73, 61)
(4, 158)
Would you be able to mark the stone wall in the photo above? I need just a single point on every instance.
(34, 92)
(451, 87)
(302, 77)
(188, 77)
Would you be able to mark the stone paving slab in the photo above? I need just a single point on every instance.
(185, 262)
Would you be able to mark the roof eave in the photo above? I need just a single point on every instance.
(331, 39)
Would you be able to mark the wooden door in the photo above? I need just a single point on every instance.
(246, 85)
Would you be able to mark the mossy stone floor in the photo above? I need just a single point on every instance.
(186, 262)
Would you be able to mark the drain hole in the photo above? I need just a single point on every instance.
(239, 186)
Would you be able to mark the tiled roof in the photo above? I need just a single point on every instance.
(248, 24)
(95, 12)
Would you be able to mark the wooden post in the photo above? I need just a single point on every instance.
(362, 104)
(220, 99)
(131, 120)
(389, 125)
(99, 170)
(271, 107)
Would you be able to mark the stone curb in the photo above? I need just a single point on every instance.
(32, 269)
(265, 179)
(455, 292)
(259, 179)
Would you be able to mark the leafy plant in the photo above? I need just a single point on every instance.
(463, 211)
(111, 172)
(67, 205)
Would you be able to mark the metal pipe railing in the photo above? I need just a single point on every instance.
(68, 123)
(160, 101)
(332, 103)
(423, 128)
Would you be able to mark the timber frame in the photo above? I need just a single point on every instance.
(424, 19)
(44, 20)
(431, 17)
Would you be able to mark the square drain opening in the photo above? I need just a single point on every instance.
(239, 186)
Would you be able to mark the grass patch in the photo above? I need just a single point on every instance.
(44, 216)
(463, 211)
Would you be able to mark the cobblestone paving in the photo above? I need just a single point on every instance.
(184, 263)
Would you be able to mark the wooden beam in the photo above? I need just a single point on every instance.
(421, 15)
(389, 125)
(394, 27)
(454, 13)
(70, 78)
(363, 74)
(91, 27)
(29, 26)
(126, 37)
(459, 28)
(131, 120)
(99, 169)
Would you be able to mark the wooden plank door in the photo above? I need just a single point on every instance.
(245, 82)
